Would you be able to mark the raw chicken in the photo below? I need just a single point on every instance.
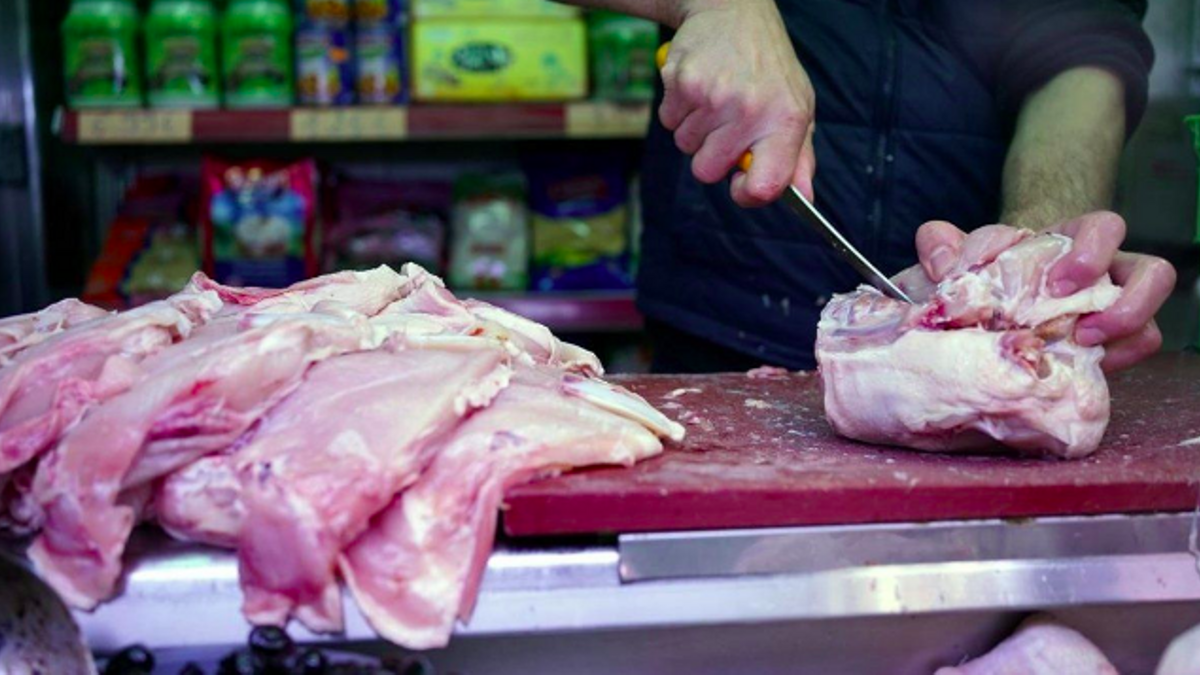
(1040, 646)
(193, 399)
(49, 386)
(1182, 656)
(18, 333)
(362, 292)
(445, 315)
(310, 485)
(202, 501)
(987, 354)
(285, 423)
(419, 565)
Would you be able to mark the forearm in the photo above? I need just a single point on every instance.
(1063, 158)
(667, 12)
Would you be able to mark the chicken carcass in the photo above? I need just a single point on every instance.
(18, 333)
(309, 485)
(192, 399)
(987, 355)
(1040, 646)
(419, 565)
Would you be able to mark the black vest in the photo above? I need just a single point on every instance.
(913, 121)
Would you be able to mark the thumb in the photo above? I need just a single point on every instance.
(939, 245)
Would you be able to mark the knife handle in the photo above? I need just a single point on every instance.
(660, 59)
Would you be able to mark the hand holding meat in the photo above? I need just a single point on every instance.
(986, 356)
(732, 83)
(1126, 329)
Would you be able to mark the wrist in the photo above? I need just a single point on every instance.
(684, 9)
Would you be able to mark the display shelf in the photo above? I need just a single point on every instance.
(586, 119)
(582, 312)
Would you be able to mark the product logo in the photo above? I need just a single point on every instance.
(482, 57)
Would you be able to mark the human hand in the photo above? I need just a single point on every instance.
(732, 83)
(1127, 328)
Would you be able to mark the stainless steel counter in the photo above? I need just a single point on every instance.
(186, 597)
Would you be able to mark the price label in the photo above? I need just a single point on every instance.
(607, 120)
(349, 124)
(135, 126)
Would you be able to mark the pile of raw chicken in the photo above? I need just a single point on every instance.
(360, 427)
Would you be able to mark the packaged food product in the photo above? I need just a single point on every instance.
(381, 222)
(622, 49)
(324, 64)
(489, 243)
(181, 54)
(381, 63)
(100, 54)
(149, 251)
(580, 222)
(380, 11)
(499, 59)
(329, 12)
(259, 221)
(256, 48)
(473, 9)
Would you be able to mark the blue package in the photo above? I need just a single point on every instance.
(580, 224)
(324, 65)
(382, 71)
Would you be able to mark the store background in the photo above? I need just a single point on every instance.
(58, 199)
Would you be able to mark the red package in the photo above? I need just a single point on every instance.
(259, 221)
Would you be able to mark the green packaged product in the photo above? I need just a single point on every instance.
(256, 54)
(622, 54)
(181, 54)
(100, 55)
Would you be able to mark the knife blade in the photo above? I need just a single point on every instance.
(809, 214)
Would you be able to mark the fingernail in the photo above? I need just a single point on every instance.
(1063, 287)
(941, 261)
(1089, 337)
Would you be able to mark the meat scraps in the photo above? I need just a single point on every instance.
(289, 424)
(987, 355)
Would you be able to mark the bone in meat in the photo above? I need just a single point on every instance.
(48, 387)
(985, 356)
(310, 483)
(193, 399)
(419, 565)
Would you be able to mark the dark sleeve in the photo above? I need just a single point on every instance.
(1047, 37)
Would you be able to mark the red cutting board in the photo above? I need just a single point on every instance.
(759, 453)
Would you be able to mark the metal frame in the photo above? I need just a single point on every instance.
(22, 273)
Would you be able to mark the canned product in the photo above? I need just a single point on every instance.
(381, 64)
(324, 65)
(333, 12)
(379, 11)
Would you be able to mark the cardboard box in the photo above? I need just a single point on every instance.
(460, 9)
(497, 60)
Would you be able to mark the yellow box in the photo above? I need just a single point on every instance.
(499, 60)
(458, 9)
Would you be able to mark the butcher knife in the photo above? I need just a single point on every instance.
(809, 214)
